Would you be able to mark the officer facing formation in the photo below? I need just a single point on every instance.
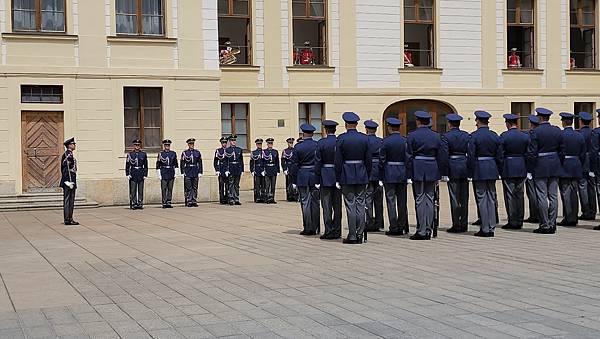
(220, 164)
(68, 180)
(587, 183)
(573, 157)
(271, 169)
(331, 196)
(286, 160)
(191, 170)
(166, 170)
(235, 169)
(374, 197)
(304, 179)
(257, 170)
(136, 170)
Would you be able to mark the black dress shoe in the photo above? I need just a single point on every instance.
(544, 230)
(308, 233)
(328, 237)
(477, 222)
(168, 206)
(348, 241)
(453, 230)
(231, 203)
(531, 220)
(511, 227)
(587, 217)
(484, 234)
(597, 228)
(237, 203)
(164, 206)
(569, 224)
(562, 223)
(417, 236)
(140, 207)
(394, 233)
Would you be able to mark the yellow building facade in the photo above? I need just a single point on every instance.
(105, 71)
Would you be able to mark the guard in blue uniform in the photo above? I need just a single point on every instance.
(573, 155)
(514, 171)
(374, 198)
(257, 169)
(136, 170)
(456, 143)
(484, 160)
(534, 213)
(304, 179)
(166, 170)
(425, 161)
(235, 170)
(191, 170)
(68, 180)
(220, 164)
(587, 183)
(392, 170)
(331, 197)
(286, 160)
(353, 167)
(595, 159)
(545, 164)
(271, 165)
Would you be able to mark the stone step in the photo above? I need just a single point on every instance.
(39, 201)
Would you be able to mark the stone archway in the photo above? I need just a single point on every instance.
(404, 110)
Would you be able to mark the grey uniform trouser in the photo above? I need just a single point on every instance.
(374, 202)
(485, 196)
(68, 203)
(309, 202)
(259, 188)
(136, 193)
(534, 213)
(546, 190)
(234, 188)
(458, 190)
(190, 189)
(587, 195)
(166, 186)
(331, 202)
(424, 193)
(270, 183)
(514, 200)
(355, 201)
(396, 200)
(570, 200)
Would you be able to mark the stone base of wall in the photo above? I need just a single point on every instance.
(8, 187)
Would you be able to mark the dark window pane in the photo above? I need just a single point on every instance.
(152, 138)
(242, 141)
(132, 118)
(131, 134)
(426, 3)
(522, 39)
(511, 16)
(24, 15)
(152, 7)
(526, 5)
(152, 118)
(299, 8)
(131, 96)
(240, 7)
(223, 7)
(240, 111)
(126, 24)
(126, 6)
(426, 14)
(152, 25)
(152, 97)
(526, 17)
(419, 47)
(226, 127)
(588, 18)
(53, 20)
(511, 4)
(44, 94)
(409, 3)
(317, 9)
(240, 127)
(225, 111)
(409, 13)
(573, 18)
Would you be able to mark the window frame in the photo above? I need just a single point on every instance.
(141, 128)
(418, 21)
(581, 26)
(140, 19)
(62, 95)
(518, 23)
(522, 117)
(233, 121)
(325, 33)
(308, 115)
(576, 110)
(249, 32)
(38, 20)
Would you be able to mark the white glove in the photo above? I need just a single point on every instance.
(445, 178)
(470, 179)
(317, 186)
(592, 174)
(380, 183)
(158, 174)
(200, 175)
(529, 176)
(409, 181)
(338, 186)
(241, 174)
(218, 173)
(294, 186)
(252, 173)
(183, 175)
(129, 177)
(285, 172)
(69, 184)
(145, 178)
(227, 173)
(264, 173)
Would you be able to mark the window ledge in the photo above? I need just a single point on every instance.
(310, 68)
(584, 71)
(39, 36)
(141, 39)
(420, 70)
(239, 68)
(522, 71)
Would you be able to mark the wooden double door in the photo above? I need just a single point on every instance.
(405, 110)
(42, 141)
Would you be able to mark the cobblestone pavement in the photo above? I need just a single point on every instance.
(244, 272)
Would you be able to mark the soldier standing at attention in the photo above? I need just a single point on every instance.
(425, 161)
(374, 198)
(392, 169)
(573, 155)
(303, 178)
(235, 162)
(534, 122)
(271, 163)
(587, 184)
(191, 169)
(68, 181)
(166, 166)
(353, 167)
(545, 165)
(286, 161)
(514, 171)
(456, 143)
(331, 197)
(136, 170)
(257, 169)
(220, 165)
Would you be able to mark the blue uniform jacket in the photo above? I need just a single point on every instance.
(167, 163)
(286, 158)
(595, 151)
(514, 148)
(220, 161)
(136, 165)
(484, 157)
(456, 145)
(573, 153)
(257, 165)
(271, 162)
(303, 163)
(425, 158)
(543, 153)
(586, 131)
(235, 160)
(353, 162)
(325, 161)
(191, 163)
(392, 159)
(68, 169)
(375, 144)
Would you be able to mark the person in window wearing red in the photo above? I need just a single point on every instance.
(514, 60)
(307, 56)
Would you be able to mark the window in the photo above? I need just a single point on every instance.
(312, 113)
(521, 34)
(42, 94)
(418, 33)
(583, 34)
(140, 17)
(143, 116)
(523, 110)
(234, 120)
(589, 107)
(38, 16)
(234, 32)
(310, 32)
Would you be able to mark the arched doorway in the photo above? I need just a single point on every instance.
(404, 110)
